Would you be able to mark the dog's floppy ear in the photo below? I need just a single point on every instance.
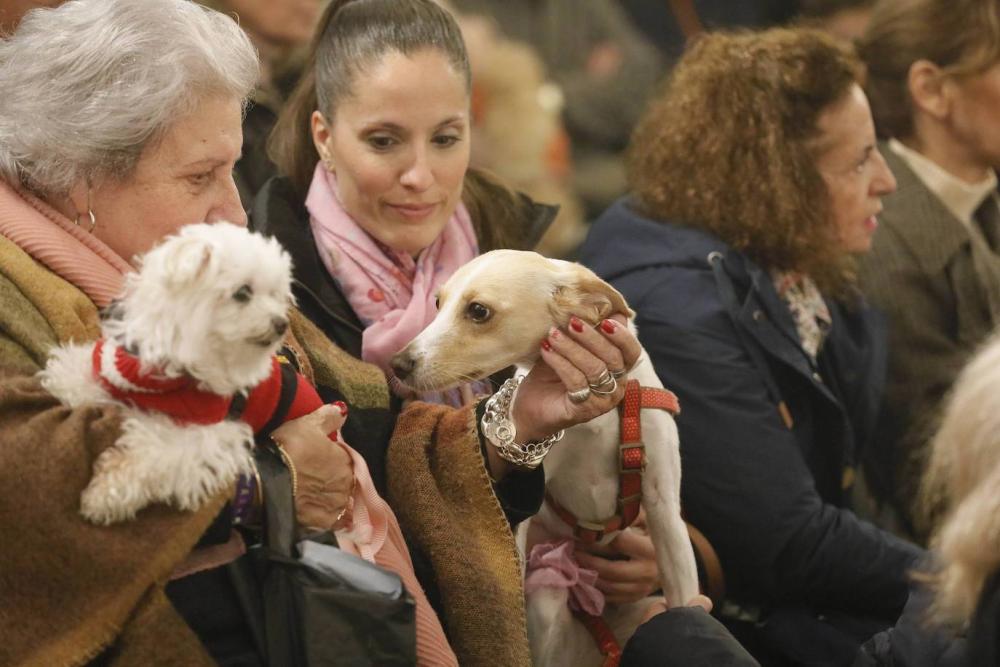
(186, 259)
(588, 297)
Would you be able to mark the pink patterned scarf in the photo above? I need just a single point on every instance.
(391, 293)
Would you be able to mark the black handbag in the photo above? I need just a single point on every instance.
(312, 604)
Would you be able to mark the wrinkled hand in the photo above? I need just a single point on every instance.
(572, 360)
(626, 567)
(324, 471)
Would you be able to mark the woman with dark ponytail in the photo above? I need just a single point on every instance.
(378, 207)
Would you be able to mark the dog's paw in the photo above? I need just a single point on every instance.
(115, 492)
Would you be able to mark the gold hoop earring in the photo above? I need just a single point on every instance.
(93, 221)
(90, 213)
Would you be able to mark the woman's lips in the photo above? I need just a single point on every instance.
(414, 212)
(871, 223)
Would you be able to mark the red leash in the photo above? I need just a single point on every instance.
(631, 465)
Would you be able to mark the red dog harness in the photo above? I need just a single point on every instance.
(631, 465)
(282, 396)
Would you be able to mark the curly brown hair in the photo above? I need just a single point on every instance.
(729, 146)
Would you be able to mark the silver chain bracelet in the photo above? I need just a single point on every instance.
(500, 431)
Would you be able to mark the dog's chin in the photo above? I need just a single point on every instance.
(273, 342)
(422, 383)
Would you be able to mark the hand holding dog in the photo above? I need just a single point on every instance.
(626, 568)
(324, 471)
(573, 359)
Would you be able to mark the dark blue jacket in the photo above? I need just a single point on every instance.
(770, 497)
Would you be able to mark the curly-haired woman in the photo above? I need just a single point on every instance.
(755, 179)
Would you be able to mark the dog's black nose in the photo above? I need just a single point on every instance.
(402, 365)
(280, 325)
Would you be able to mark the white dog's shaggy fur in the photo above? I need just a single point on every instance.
(525, 295)
(210, 303)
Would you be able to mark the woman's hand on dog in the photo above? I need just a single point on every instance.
(626, 567)
(324, 471)
(574, 358)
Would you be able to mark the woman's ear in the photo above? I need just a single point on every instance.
(321, 132)
(929, 89)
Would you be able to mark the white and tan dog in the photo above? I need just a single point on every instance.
(207, 311)
(493, 313)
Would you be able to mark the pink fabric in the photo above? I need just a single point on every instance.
(71, 252)
(392, 294)
(375, 535)
(210, 557)
(552, 565)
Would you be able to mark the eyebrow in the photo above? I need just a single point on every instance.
(210, 161)
(395, 127)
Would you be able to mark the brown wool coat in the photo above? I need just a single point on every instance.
(939, 284)
(70, 590)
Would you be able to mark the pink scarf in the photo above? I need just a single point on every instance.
(552, 565)
(67, 250)
(391, 293)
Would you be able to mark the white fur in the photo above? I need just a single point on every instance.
(181, 314)
(527, 294)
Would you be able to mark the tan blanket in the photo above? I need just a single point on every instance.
(68, 588)
(440, 491)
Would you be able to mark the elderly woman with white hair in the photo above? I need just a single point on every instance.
(120, 124)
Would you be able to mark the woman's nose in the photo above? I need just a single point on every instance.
(228, 208)
(418, 176)
(884, 182)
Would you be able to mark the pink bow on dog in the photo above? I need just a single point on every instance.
(552, 565)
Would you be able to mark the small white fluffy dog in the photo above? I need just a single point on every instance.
(209, 306)
(493, 313)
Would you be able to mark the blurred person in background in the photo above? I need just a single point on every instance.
(605, 70)
(845, 19)
(279, 29)
(669, 24)
(934, 84)
(517, 128)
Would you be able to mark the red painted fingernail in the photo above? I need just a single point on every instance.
(576, 323)
(333, 436)
(546, 345)
(342, 407)
(609, 326)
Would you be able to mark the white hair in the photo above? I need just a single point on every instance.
(963, 476)
(86, 87)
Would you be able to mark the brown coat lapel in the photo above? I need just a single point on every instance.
(939, 284)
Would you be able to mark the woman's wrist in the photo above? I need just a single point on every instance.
(501, 432)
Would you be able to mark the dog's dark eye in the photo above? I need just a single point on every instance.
(437, 303)
(243, 294)
(478, 313)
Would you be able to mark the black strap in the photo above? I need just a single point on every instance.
(289, 385)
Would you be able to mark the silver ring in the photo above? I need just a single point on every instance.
(619, 374)
(603, 380)
(579, 395)
(601, 392)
